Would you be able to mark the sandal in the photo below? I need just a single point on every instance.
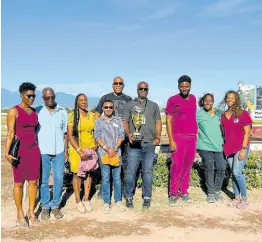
(21, 223)
(242, 205)
(32, 219)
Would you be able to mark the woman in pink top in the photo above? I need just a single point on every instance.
(236, 125)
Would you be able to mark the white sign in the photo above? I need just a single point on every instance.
(257, 115)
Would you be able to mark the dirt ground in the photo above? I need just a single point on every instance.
(198, 221)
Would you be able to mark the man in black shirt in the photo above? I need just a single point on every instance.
(117, 96)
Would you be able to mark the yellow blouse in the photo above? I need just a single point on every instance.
(85, 135)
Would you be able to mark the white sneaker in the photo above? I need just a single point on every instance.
(88, 206)
(120, 207)
(106, 208)
(81, 207)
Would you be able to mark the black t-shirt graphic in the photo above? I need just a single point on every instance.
(119, 103)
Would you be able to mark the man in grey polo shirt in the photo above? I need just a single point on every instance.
(145, 150)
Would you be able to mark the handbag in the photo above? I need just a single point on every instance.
(112, 161)
(13, 151)
(89, 164)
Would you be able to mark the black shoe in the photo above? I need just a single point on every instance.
(45, 214)
(186, 198)
(172, 201)
(146, 204)
(129, 203)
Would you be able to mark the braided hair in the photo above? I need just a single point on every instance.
(76, 118)
(236, 108)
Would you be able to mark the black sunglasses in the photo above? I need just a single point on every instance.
(49, 98)
(108, 107)
(118, 83)
(30, 95)
(143, 89)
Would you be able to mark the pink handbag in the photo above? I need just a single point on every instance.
(90, 164)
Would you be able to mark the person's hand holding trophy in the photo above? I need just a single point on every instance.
(137, 119)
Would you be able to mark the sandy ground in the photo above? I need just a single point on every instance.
(198, 221)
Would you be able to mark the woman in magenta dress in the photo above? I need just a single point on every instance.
(22, 123)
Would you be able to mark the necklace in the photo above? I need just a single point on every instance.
(28, 110)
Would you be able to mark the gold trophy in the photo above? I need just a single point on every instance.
(137, 119)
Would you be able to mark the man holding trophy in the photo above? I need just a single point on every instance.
(142, 123)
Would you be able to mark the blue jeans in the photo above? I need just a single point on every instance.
(146, 154)
(238, 178)
(106, 174)
(57, 164)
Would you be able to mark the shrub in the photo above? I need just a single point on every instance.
(253, 171)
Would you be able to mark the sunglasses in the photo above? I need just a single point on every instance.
(143, 89)
(108, 107)
(30, 96)
(49, 98)
(118, 83)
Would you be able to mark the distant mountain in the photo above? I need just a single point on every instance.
(10, 99)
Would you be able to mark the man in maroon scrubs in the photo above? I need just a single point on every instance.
(182, 134)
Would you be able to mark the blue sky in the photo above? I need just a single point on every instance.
(79, 46)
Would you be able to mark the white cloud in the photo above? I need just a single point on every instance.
(231, 7)
(162, 13)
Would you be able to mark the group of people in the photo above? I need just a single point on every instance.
(106, 140)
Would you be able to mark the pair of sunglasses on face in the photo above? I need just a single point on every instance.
(143, 89)
(108, 107)
(49, 98)
(118, 83)
(31, 96)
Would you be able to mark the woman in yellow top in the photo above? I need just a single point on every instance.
(80, 133)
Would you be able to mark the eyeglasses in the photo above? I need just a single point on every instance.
(118, 83)
(49, 98)
(108, 107)
(143, 89)
(30, 96)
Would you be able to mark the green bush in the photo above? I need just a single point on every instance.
(253, 172)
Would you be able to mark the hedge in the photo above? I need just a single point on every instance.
(253, 172)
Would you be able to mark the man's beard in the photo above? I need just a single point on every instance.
(184, 94)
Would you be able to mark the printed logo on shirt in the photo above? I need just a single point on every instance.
(236, 120)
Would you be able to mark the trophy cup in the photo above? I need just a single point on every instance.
(137, 119)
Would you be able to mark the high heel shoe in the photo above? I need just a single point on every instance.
(32, 219)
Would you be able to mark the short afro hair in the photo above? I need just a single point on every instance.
(184, 79)
(26, 86)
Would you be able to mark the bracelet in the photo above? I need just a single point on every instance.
(78, 149)
(158, 138)
(104, 147)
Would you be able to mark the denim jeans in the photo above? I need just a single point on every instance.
(57, 164)
(146, 154)
(215, 167)
(238, 178)
(106, 174)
